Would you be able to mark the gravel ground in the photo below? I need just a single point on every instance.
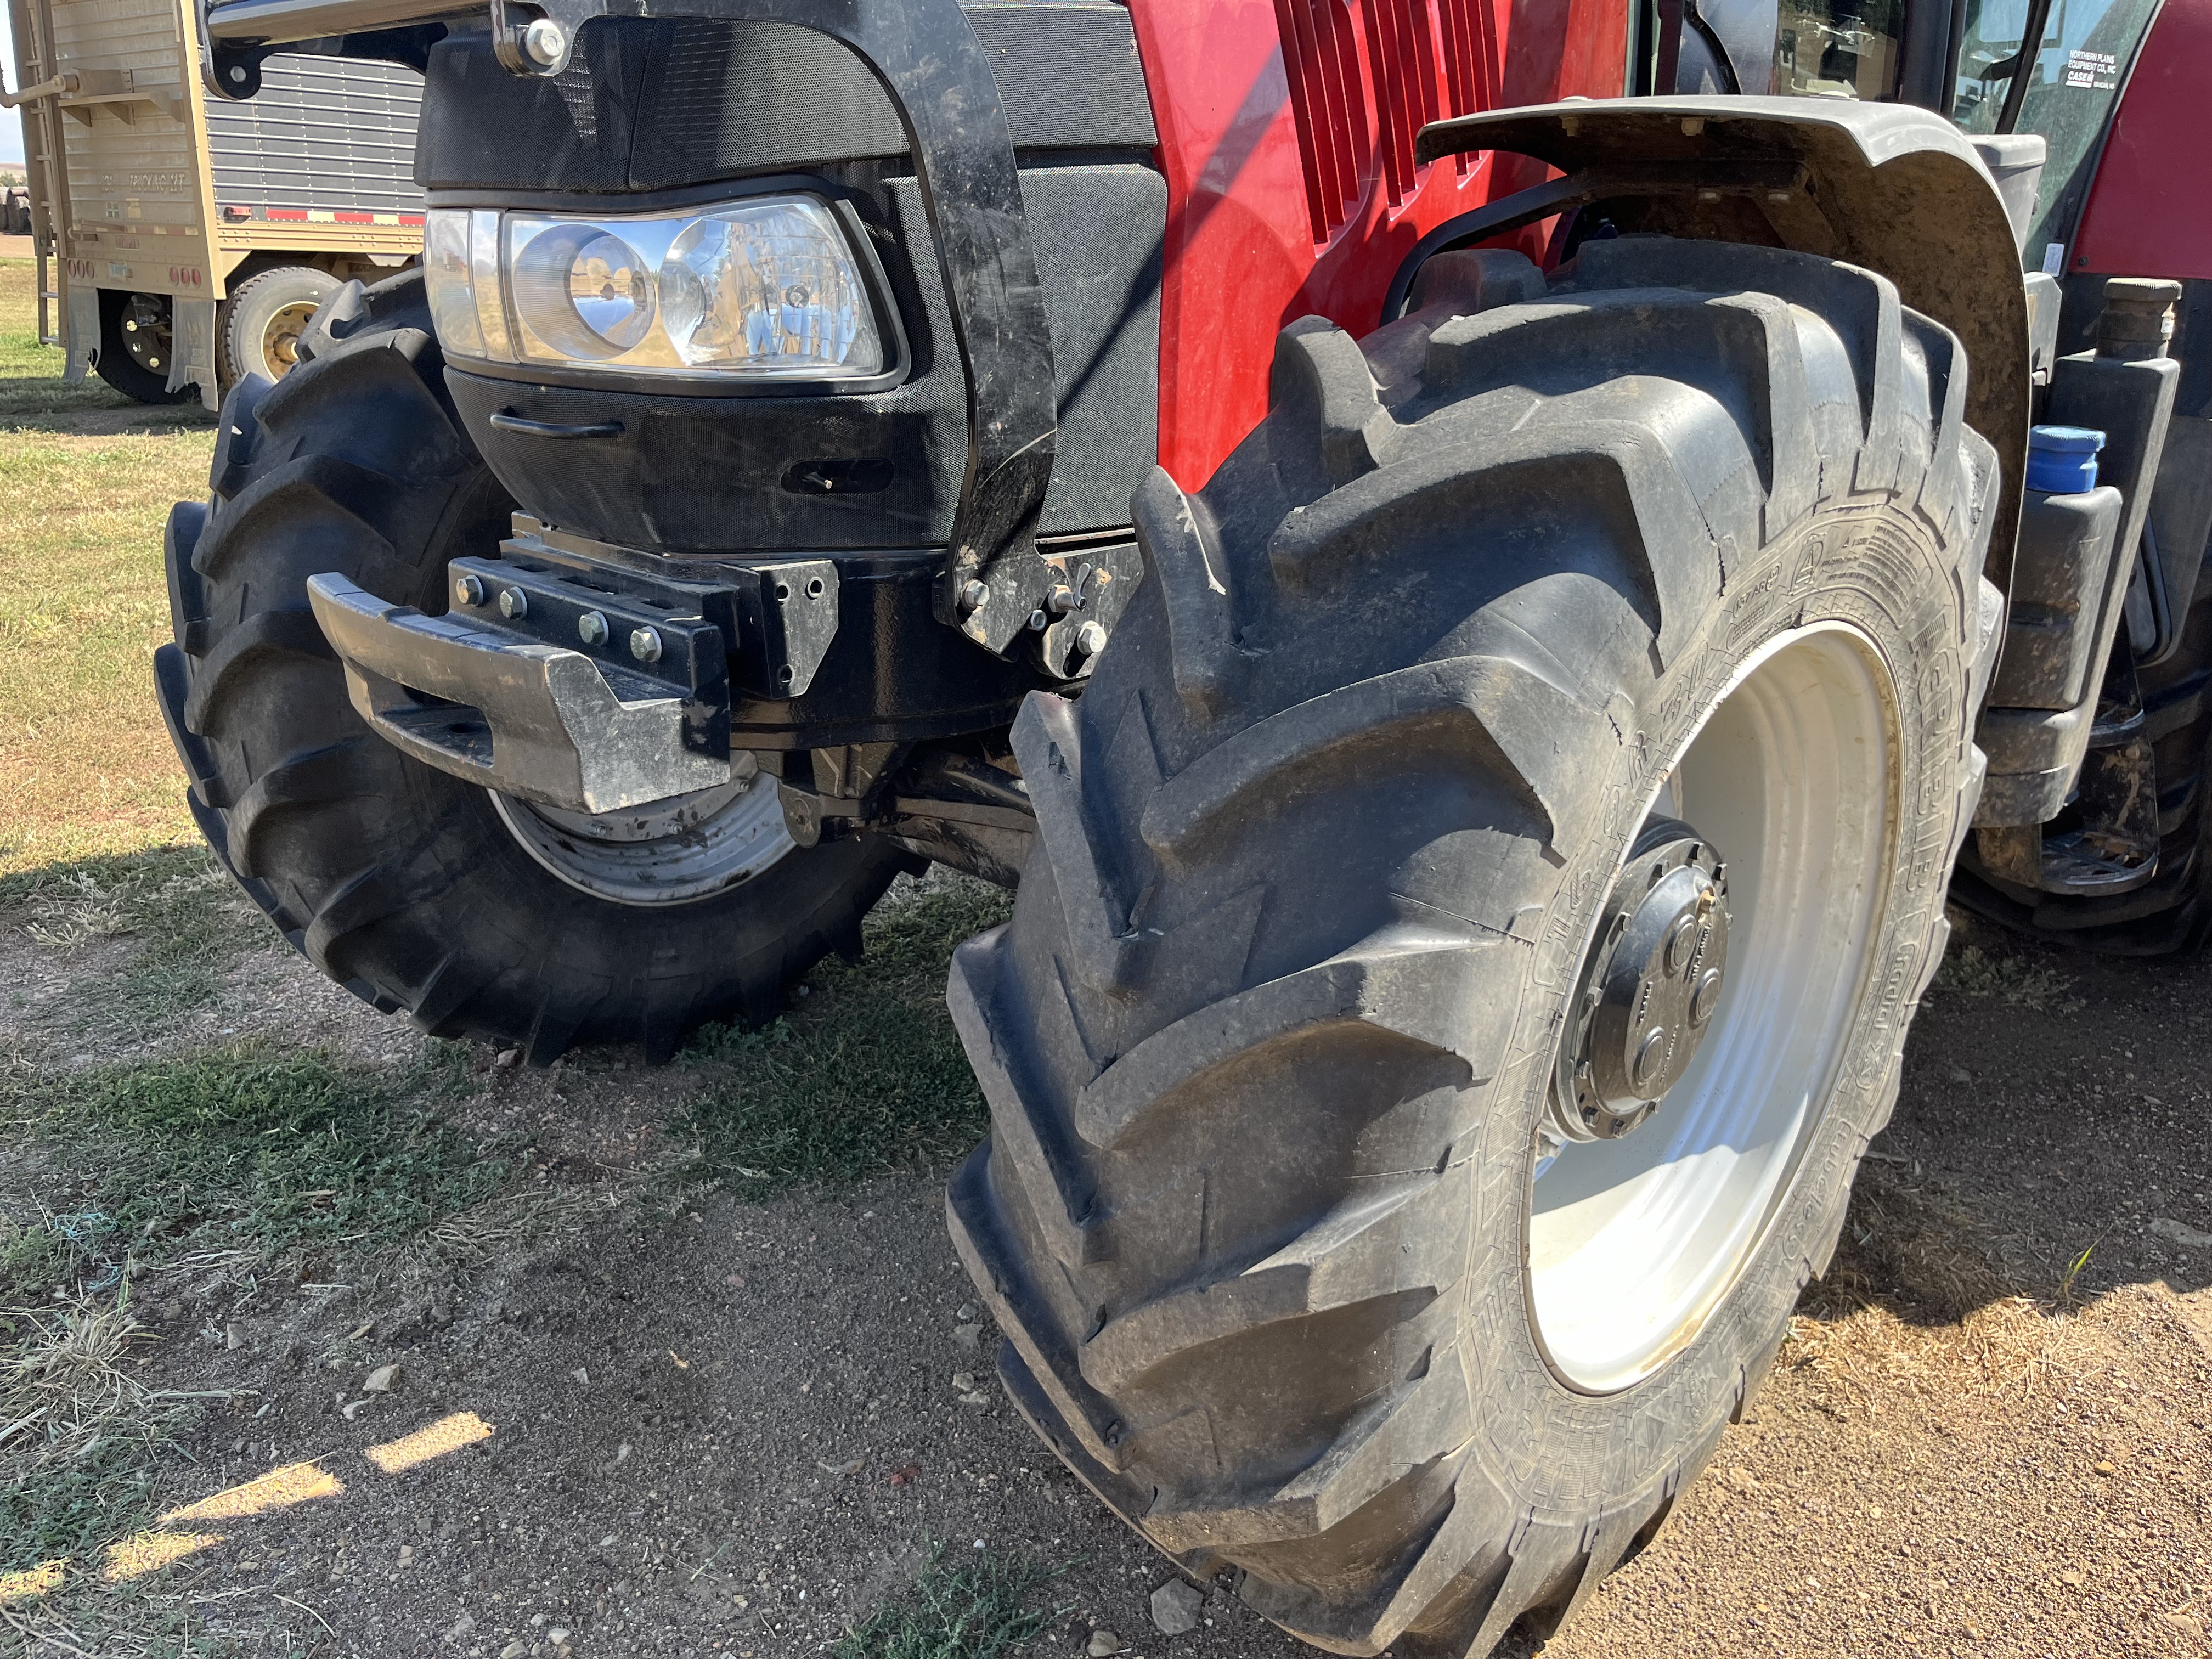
(712, 1428)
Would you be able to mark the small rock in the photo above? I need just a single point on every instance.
(582, 1376)
(1743, 1479)
(1102, 1641)
(507, 1057)
(383, 1380)
(1175, 1608)
(2188, 1237)
(609, 1541)
(234, 1337)
(852, 1467)
(976, 1398)
(352, 1408)
(461, 1627)
(2070, 1578)
(964, 1382)
(515, 1649)
(735, 1281)
(966, 1311)
(406, 1554)
(2103, 1468)
(537, 1620)
(622, 1454)
(1959, 1074)
(968, 1336)
(558, 1636)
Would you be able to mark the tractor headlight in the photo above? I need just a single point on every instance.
(768, 287)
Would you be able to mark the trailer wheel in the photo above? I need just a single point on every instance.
(134, 336)
(475, 915)
(1481, 898)
(265, 318)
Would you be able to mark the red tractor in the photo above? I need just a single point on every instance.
(1481, 611)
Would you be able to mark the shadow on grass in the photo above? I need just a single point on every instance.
(865, 1076)
(189, 920)
(249, 1149)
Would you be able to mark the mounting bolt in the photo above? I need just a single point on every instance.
(467, 590)
(514, 603)
(544, 41)
(592, 627)
(1091, 639)
(645, 644)
(1039, 621)
(973, 593)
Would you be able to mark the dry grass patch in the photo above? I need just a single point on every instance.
(83, 604)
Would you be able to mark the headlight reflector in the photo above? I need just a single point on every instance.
(767, 287)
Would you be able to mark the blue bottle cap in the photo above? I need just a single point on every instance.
(2066, 440)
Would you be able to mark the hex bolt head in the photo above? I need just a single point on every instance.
(467, 590)
(592, 627)
(1091, 639)
(1039, 621)
(1061, 600)
(645, 644)
(544, 41)
(973, 593)
(514, 603)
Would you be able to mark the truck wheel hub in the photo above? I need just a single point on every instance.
(1650, 986)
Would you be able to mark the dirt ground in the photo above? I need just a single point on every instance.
(670, 1424)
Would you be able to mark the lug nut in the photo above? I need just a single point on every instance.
(592, 627)
(645, 644)
(467, 590)
(1679, 942)
(1091, 639)
(1706, 998)
(514, 603)
(973, 593)
(544, 41)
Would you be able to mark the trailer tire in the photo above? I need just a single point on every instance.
(134, 347)
(265, 318)
(1324, 845)
(401, 882)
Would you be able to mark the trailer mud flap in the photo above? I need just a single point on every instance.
(513, 713)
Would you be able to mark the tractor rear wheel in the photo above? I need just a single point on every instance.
(1479, 900)
(475, 914)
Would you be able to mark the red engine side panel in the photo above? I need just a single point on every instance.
(2150, 209)
(1287, 131)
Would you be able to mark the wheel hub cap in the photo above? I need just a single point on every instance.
(1649, 988)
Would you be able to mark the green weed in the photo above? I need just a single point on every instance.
(957, 1610)
(867, 1075)
(2018, 980)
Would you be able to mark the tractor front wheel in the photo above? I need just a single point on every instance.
(1481, 898)
(475, 914)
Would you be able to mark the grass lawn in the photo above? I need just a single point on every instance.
(87, 477)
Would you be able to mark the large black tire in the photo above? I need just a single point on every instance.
(394, 878)
(1269, 1037)
(2173, 911)
(135, 338)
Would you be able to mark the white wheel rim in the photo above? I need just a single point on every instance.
(672, 852)
(1633, 1244)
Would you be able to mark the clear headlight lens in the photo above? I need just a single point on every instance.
(767, 287)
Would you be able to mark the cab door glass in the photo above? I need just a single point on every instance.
(2073, 80)
(1839, 48)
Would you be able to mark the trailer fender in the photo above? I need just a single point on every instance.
(1893, 188)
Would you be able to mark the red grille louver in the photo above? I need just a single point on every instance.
(1424, 60)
